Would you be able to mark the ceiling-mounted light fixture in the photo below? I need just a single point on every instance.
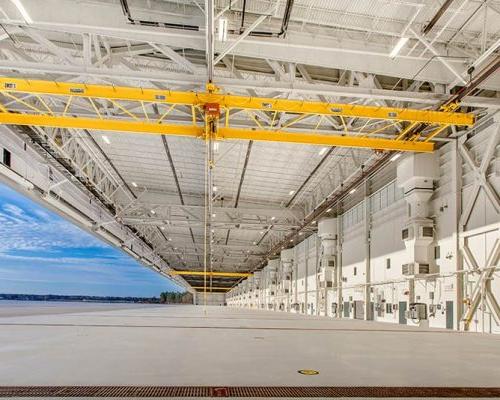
(395, 156)
(399, 45)
(222, 31)
(323, 151)
(22, 10)
(106, 139)
(134, 184)
(291, 192)
(352, 191)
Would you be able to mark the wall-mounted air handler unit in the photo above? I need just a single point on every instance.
(327, 232)
(327, 266)
(285, 278)
(416, 174)
(271, 279)
(257, 287)
(416, 312)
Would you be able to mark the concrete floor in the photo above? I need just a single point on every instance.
(182, 345)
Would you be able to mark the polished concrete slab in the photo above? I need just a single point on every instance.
(188, 345)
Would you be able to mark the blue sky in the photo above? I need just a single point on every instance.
(41, 253)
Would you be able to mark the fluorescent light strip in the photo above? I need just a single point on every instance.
(222, 31)
(395, 156)
(22, 10)
(106, 139)
(399, 45)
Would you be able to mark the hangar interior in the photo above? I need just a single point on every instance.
(326, 158)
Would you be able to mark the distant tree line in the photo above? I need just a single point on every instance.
(176, 298)
(165, 298)
(95, 299)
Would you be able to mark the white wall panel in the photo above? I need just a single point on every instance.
(389, 286)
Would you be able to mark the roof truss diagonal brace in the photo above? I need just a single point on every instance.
(247, 32)
(482, 285)
(174, 56)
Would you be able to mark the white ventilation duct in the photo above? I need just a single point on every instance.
(285, 279)
(286, 257)
(257, 278)
(416, 174)
(327, 232)
(327, 266)
(272, 277)
(257, 275)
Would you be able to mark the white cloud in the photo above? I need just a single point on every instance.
(42, 215)
(21, 231)
(14, 210)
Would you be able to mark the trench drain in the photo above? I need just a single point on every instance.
(248, 391)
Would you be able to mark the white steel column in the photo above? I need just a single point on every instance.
(340, 233)
(367, 292)
(456, 176)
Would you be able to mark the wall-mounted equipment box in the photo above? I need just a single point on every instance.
(415, 269)
(416, 311)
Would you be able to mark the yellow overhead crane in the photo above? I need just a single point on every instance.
(52, 104)
(212, 273)
(211, 288)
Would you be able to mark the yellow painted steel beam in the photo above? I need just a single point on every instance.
(324, 140)
(211, 288)
(213, 273)
(152, 128)
(39, 87)
(102, 124)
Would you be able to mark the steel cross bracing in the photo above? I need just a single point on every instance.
(479, 296)
(57, 104)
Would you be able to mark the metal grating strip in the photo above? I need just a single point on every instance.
(246, 391)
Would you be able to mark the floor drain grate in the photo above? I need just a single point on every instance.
(245, 391)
